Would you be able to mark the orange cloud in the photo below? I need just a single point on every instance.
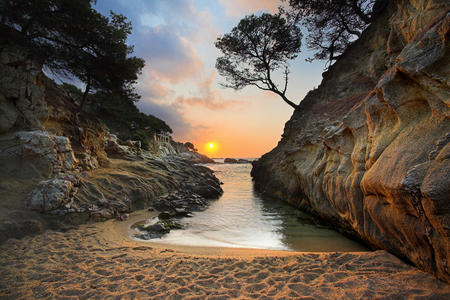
(151, 86)
(209, 98)
(237, 8)
(211, 101)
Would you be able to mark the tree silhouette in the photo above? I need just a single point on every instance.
(256, 48)
(73, 39)
(333, 24)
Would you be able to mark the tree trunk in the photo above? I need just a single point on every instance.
(273, 88)
(285, 99)
(85, 94)
(292, 104)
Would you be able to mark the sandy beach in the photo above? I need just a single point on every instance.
(99, 261)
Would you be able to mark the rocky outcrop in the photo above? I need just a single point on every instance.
(50, 195)
(194, 194)
(369, 149)
(196, 157)
(60, 167)
(189, 152)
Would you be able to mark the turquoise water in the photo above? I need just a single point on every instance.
(243, 218)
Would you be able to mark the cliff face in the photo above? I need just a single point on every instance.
(59, 168)
(369, 149)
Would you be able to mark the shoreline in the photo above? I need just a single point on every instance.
(122, 232)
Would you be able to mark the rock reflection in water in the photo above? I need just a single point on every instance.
(243, 218)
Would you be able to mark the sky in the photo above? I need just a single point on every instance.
(180, 85)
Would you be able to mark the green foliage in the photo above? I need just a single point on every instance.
(190, 146)
(124, 117)
(72, 39)
(142, 136)
(121, 115)
(257, 47)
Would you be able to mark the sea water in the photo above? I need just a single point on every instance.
(241, 217)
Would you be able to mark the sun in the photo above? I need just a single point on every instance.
(211, 147)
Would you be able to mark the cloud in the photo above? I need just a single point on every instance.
(209, 98)
(170, 113)
(169, 36)
(174, 116)
(150, 87)
(179, 14)
(172, 56)
(237, 8)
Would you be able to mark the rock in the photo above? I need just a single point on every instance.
(8, 113)
(56, 150)
(377, 164)
(243, 161)
(87, 161)
(102, 215)
(236, 161)
(113, 147)
(207, 191)
(136, 145)
(158, 229)
(196, 158)
(165, 215)
(42, 172)
(152, 231)
(50, 195)
(182, 212)
(22, 98)
(123, 217)
(230, 161)
(170, 224)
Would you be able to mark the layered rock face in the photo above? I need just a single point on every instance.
(369, 149)
(58, 167)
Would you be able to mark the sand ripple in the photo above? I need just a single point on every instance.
(89, 263)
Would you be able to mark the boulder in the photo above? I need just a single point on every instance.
(54, 149)
(207, 191)
(113, 146)
(157, 230)
(50, 195)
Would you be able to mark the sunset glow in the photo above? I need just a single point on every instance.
(210, 147)
(180, 84)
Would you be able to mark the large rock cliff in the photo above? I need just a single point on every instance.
(59, 167)
(369, 149)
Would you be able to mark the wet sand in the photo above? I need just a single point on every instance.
(99, 261)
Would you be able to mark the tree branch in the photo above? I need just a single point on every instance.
(286, 78)
(357, 10)
(345, 25)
